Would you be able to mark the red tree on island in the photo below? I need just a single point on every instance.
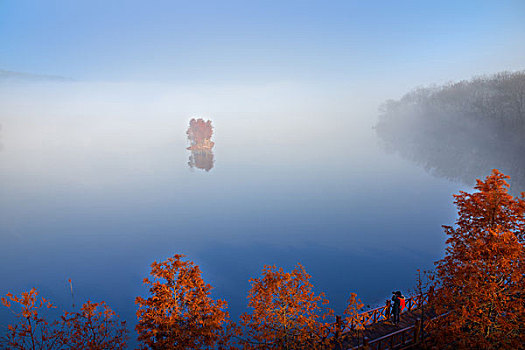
(199, 134)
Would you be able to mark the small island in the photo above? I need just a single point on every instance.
(199, 134)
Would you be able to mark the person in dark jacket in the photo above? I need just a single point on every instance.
(396, 307)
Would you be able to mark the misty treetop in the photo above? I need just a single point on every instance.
(461, 130)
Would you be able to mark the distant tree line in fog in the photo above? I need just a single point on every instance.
(461, 130)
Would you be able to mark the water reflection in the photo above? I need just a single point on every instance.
(463, 130)
(199, 134)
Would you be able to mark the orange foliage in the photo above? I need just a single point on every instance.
(199, 133)
(91, 328)
(286, 312)
(94, 327)
(32, 331)
(179, 313)
(480, 286)
(482, 276)
(354, 320)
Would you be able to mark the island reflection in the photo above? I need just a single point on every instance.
(199, 134)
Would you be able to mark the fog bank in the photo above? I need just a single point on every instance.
(461, 130)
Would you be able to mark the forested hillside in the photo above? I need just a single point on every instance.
(461, 130)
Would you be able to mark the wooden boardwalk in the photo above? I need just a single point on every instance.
(390, 336)
(380, 333)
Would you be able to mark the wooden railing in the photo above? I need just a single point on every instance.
(396, 340)
(416, 301)
(402, 338)
(382, 313)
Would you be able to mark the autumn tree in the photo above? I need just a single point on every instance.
(286, 313)
(179, 312)
(354, 321)
(95, 327)
(481, 279)
(32, 331)
(199, 134)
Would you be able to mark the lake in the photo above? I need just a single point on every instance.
(95, 185)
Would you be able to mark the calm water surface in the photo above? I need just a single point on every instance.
(95, 185)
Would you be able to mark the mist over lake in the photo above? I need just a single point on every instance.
(96, 185)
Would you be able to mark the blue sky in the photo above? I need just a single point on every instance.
(420, 41)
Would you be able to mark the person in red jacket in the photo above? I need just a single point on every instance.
(401, 301)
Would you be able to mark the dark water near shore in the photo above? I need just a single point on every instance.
(95, 185)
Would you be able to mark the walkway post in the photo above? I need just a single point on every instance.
(366, 346)
(338, 327)
(417, 331)
(388, 308)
